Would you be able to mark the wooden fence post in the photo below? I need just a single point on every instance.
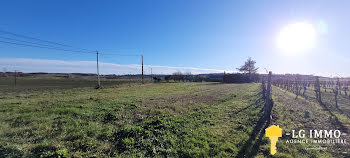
(268, 105)
(263, 86)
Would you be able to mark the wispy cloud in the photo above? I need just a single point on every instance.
(60, 66)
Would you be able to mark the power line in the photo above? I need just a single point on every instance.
(39, 44)
(23, 36)
(54, 48)
(112, 54)
(47, 46)
(120, 53)
(57, 46)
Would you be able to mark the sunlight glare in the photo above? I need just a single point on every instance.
(296, 38)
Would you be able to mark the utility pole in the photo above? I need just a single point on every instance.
(224, 78)
(98, 72)
(151, 75)
(15, 78)
(142, 67)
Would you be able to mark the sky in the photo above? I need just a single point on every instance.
(198, 36)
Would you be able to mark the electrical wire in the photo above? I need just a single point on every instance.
(112, 54)
(54, 48)
(37, 39)
(39, 44)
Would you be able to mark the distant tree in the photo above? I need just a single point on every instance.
(177, 73)
(178, 76)
(249, 67)
(156, 79)
(167, 78)
(199, 78)
(188, 76)
(187, 73)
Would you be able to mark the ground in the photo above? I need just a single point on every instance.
(306, 113)
(156, 120)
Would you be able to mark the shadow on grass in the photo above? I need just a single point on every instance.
(10, 152)
(335, 119)
(251, 146)
(256, 104)
(345, 112)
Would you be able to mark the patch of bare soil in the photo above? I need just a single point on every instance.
(205, 95)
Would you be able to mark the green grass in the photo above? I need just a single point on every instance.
(32, 84)
(153, 120)
(168, 119)
(291, 113)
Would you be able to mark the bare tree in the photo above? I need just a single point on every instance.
(188, 76)
(178, 76)
(248, 67)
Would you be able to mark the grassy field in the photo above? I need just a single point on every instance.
(152, 120)
(306, 113)
(40, 83)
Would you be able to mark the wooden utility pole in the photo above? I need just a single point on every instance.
(142, 67)
(224, 77)
(98, 72)
(15, 78)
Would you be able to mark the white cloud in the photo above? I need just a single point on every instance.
(60, 66)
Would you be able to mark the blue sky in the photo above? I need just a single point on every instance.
(204, 34)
